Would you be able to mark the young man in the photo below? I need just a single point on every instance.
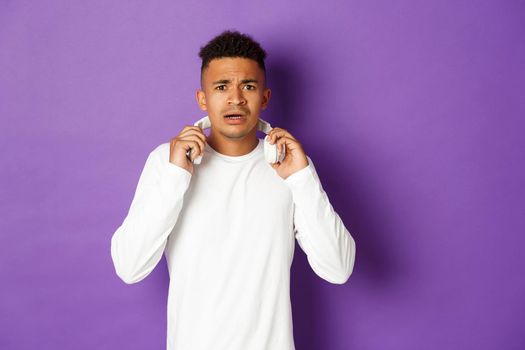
(228, 225)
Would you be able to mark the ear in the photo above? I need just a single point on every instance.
(201, 100)
(266, 98)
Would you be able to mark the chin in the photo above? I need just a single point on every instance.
(240, 132)
(235, 135)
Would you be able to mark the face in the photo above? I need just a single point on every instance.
(233, 85)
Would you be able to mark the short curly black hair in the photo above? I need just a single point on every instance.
(231, 43)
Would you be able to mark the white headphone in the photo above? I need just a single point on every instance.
(271, 153)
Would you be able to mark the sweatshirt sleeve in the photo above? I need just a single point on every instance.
(138, 244)
(321, 234)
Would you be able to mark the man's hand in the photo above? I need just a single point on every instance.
(295, 158)
(190, 137)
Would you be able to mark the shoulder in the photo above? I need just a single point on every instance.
(161, 150)
(158, 154)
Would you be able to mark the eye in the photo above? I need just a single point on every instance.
(220, 87)
(249, 87)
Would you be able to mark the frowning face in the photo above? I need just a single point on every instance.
(233, 93)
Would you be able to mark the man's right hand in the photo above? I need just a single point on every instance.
(190, 137)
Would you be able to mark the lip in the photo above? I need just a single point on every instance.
(241, 120)
(242, 114)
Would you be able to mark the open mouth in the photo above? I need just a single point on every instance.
(233, 116)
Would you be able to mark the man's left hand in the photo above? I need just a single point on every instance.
(295, 158)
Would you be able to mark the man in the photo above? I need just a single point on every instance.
(228, 225)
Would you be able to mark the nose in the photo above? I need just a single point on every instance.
(236, 97)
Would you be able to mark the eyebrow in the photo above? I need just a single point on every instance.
(244, 81)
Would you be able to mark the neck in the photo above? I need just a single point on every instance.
(233, 146)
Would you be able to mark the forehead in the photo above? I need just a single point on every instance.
(232, 68)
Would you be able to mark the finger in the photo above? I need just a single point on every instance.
(194, 143)
(191, 127)
(193, 137)
(200, 149)
(194, 131)
(280, 144)
(287, 143)
(277, 133)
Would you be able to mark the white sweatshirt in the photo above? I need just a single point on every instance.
(228, 235)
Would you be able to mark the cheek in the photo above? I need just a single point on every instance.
(214, 101)
(257, 100)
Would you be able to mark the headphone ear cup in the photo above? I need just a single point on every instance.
(282, 155)
(270, 152)
(203, 123)
(197, 160)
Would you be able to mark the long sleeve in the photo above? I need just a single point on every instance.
(138, 244)
(319, 230)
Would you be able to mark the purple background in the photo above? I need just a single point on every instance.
(412, 111)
